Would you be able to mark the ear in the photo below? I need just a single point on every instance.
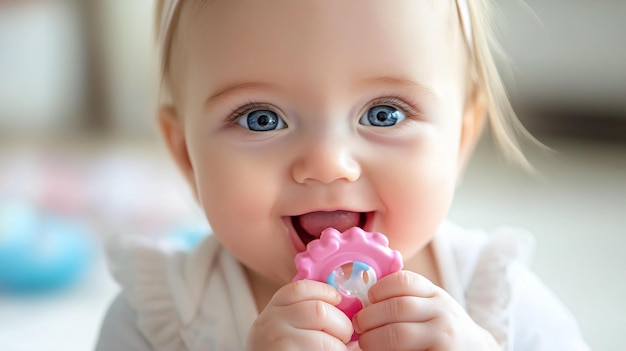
(473, 123)
(173, 131)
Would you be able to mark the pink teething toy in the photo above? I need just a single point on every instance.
(369, 254)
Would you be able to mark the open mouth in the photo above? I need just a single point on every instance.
(310, 226)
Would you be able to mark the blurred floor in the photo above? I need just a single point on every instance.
(575, 208)
(67, 320)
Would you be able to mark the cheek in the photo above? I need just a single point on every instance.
(231, 187)
(418, 191)
(238, 195)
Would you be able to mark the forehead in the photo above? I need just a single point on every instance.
(222, 42)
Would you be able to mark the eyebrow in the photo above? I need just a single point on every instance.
(236, 88)
(400, 82)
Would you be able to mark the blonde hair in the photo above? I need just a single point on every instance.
(486, 81)
(504, 124)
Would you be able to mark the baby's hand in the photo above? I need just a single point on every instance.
(408, 312)
(301, 316)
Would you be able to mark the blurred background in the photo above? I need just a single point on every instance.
(80, 159)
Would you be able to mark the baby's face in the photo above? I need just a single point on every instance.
(292, 108)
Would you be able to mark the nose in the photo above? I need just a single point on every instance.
(325, 162)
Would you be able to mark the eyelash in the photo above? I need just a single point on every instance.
(396, 102)
(243, 110)
(391, 100)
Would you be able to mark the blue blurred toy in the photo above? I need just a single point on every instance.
(40, 252)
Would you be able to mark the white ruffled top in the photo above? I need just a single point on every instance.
(174, 300)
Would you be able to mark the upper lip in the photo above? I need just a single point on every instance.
(331, 209)
(366, 224)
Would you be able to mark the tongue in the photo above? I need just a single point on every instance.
(313, 223)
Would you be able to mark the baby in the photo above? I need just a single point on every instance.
(287, 117)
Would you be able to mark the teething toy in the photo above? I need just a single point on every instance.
(327, 259)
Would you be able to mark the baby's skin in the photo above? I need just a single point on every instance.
(286, 113)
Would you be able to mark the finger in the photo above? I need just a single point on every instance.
(311, 341)
(402, 283)
(304, 290)
(294, 340)
(397, 309)
(320, 316)
(399, 337)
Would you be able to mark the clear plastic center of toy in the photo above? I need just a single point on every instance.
(353, 279)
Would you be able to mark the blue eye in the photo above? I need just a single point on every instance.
(382, 116)
(262, 121)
